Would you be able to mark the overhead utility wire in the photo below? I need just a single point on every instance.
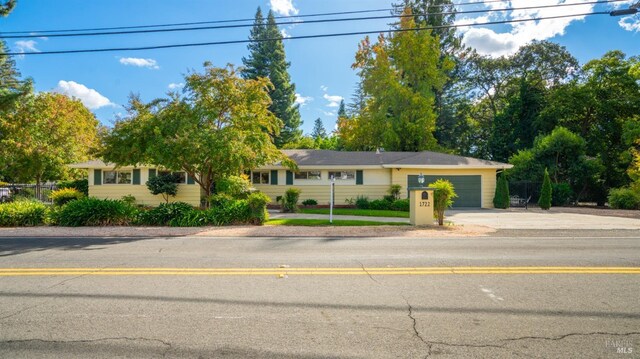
(40, 33)
(229, 42)
(240, 20)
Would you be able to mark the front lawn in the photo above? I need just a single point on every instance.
(357, 212)
(325, 222)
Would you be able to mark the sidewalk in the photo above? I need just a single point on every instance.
(277, 215)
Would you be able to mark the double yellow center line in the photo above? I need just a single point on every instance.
(15, 272)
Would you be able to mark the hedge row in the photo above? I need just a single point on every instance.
(90, 211)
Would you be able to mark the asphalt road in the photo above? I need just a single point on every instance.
(517, 294)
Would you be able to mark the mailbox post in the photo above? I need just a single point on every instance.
(421, 204)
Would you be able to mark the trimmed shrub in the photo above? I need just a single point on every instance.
(501, 198)
(624, 198)
(380, 204)
(164, 213)
(389, 198)
(82, 185)
(290, 200)
(165, 185)
(401, 205)
(65, 195)
(309, 202)
(561, 194)
(257, 202)
(443, 194)
(91, 211)
(22, 213)
(545, 194)
(235, 186)
(362, 202)
(219, 199)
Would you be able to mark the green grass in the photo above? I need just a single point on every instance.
(357, 212)
(325, 222)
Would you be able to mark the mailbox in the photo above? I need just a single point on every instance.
(421, 205)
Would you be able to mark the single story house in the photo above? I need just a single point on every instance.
(356, 174)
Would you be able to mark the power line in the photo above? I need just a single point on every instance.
(123, 29)
(229, 42)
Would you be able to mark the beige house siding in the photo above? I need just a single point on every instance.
(189, 193)
(322, 193)
(488, 179)
(375, 185)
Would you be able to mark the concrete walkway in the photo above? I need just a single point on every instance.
(500, 219)
(277, 215)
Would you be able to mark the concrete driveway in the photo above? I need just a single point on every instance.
(538, 219)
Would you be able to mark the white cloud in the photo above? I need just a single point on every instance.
(334, 100)
(630, 23)
(27, 46)
(284, 34)
(173, 85)
(134, 61)
(89, 97)
(324, 88)
(302, 100)
(329, 113)
(490, 42)
(283, 7)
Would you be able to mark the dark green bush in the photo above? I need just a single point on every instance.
(624, 198)
(380, 204)
(82, 185)
(290, 200)
(561, 194)
(501, 198)
(164, 213)
(91, 211)
(309, 202)
(545, 194)
(22, 213)
(165, 185)
(63, 196)
(400, 205)
(362, 202)
(232, 212)
(394, 192)
(192, 218)
(389, 198)
(257, 202)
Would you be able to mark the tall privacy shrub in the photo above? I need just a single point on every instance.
(545, 194)
(443, 194)
(501, 198)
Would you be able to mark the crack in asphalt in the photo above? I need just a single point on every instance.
(415, 329)
(561, 337)
(366, 271)
(165, 343)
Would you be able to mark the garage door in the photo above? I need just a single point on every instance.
(468, 188)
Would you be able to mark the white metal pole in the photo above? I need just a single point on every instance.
(333, 182)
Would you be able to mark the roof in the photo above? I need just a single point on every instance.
(361, 159)
(426, 159)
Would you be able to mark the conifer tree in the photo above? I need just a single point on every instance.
(11, 87)
(268, 59)
(501, 198)
(319, 131)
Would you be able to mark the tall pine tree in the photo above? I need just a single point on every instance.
(319, 131)
(11, 87)
(267, 59)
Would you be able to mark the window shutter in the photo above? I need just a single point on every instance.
(274, 177)
(190, 180)
(152, 173)
(97, 177)
(359, 177)
(136, 176)
(289, 178)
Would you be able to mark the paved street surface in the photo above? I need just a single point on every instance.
(530, 294)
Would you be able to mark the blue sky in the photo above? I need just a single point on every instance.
(320, 68)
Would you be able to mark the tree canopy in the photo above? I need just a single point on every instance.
(218, 127)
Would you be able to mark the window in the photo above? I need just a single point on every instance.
(312, 175)
(117, 177)
(342, 175)
(260, 177)
(181, 177)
